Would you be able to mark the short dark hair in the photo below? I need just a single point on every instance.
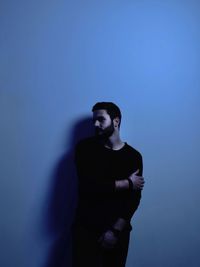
(111, 108)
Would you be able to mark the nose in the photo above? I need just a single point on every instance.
(96, 123)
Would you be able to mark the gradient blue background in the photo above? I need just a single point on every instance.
(58, 58)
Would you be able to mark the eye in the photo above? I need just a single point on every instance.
(100, 119)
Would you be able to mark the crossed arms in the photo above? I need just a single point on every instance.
(89, 186)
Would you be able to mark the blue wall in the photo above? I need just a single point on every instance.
(57, 59)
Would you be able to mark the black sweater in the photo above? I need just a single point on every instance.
(99, 204)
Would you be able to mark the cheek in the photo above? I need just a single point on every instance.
(106, 124)
(109, 126)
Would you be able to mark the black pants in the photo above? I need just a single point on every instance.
(86, 250)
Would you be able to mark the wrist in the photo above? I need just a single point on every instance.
(130, 183)
(121, 185)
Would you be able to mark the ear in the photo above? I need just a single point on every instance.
(116, 122)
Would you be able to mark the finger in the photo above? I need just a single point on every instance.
(140, 186)
(139, 179)
(136, 171)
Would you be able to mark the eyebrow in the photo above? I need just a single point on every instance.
(98, 117)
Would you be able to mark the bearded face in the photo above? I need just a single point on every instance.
(104, 126)
(106, 132)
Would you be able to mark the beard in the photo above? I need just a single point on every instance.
(105, 133)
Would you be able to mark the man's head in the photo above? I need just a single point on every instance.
(106, 118)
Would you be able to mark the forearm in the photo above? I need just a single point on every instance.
(121, 185)
(88, 185)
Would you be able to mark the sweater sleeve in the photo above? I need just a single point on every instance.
(131, 199)
(88, 182)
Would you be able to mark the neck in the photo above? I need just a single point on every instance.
(113, 142)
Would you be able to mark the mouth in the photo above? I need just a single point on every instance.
(98, 131)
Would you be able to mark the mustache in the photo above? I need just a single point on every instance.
(97, 129)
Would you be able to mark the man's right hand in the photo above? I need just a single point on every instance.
(138, 181)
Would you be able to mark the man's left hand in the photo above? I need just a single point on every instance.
(108, 240)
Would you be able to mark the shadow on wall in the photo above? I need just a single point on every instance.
(62, 199)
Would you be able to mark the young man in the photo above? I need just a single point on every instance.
(110, 183)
